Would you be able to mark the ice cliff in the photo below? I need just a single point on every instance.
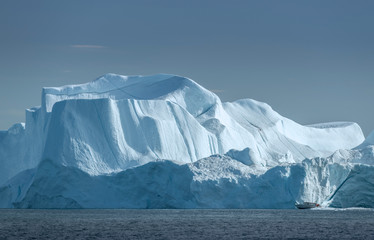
(163, 141)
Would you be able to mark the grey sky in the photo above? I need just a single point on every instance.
(312, 61)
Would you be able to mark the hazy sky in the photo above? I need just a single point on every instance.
(312, 61)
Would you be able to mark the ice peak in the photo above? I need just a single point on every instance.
(180, 90)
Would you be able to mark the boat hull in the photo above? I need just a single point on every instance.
(307, 205)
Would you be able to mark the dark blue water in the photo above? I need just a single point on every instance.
(186, 224)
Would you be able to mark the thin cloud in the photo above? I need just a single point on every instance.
(87, 46)
(217, 90)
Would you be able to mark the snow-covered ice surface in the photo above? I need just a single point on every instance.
(163, 141)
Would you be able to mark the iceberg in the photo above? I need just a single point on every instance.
(164, 141)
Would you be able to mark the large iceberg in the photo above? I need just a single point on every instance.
(163, 141)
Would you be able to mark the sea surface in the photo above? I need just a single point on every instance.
(187, 224)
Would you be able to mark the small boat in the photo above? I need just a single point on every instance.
(306, 205)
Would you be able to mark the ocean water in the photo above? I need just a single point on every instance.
(186, 224)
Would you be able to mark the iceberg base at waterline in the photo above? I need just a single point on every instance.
(214, 182)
